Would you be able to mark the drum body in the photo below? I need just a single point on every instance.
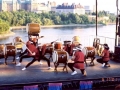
(89, 51)
(33, 28)
(96, 42)
(99, 49)
(8, 44)
(17, 39)
(18, 45)
(10, 50)
(49, 49)
(76, 40)
(67, 43)
(58, 45)
(2, 50)
(60, 56)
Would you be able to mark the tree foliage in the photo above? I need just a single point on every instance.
(21, 18)
(4, 27)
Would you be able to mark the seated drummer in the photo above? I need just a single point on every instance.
(78, 61)
(105, 56)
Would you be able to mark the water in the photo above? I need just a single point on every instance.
(86, 34)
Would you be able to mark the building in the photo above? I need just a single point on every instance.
(65, 8)
(90, 9)
(9, 5)
(28, 5)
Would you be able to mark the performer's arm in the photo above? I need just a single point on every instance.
(73, 57)
(102, 54)
(31, 52)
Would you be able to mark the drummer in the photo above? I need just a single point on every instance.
(35, 39)
(31, 47)
(28, 53)
(69, 47)
(78, 61)
(37, 57)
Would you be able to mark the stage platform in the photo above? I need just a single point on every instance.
(11, 74)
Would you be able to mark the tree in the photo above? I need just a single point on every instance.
(57, 20)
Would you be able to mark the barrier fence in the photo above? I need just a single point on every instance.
(84, 40)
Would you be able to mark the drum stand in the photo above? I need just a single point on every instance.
(92, 61)
(7, 57)
(56, 65)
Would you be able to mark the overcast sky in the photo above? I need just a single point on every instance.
(109, 5)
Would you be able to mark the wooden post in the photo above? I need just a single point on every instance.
(96, 18)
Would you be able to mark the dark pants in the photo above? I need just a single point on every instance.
(22, 55)
(100, 60)
(44, 58)
(40, 57)
(48, 61)
(31, 62)
(70, 65)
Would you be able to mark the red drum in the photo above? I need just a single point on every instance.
(10, 50)
(46, 49)
(60, 57)
(89, 52)
(33, 28)
(17, 39)
(49, 49)
(67, 43)
(58, 45)
(2, 50)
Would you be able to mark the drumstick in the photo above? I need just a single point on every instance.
(40, 37)
(29, 50)
(54, 41)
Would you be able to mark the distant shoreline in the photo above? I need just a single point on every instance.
(53, 26)
(2, 36)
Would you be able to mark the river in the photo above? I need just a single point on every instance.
(86, 34)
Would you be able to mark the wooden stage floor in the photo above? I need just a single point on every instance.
(11, 74)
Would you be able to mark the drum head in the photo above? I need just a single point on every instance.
(2, 49)
(55, 56)
(84, 50)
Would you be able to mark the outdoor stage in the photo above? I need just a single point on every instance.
(11, 74)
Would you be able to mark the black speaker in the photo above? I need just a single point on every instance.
(118, 31)
(117, 50)
(116, 54)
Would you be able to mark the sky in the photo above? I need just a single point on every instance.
(108, 5)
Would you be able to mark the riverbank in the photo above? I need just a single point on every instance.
(2, 36)
(53, 26)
